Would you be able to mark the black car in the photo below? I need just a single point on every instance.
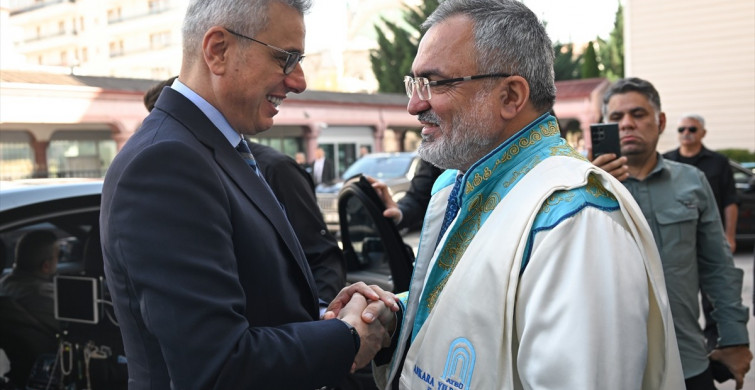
(744, 180)
(396, 170)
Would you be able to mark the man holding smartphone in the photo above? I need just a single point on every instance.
(682, 213)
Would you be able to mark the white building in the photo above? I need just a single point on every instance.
(700, 55)
(142, 38)
(121, 38)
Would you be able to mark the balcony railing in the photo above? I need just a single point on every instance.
(56, 34)
(38, 5)
(122, 19)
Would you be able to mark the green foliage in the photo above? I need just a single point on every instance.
(738, 155)
(611, 51)
(566, 65)
(397, 47)
(394, 59)
(590, 62)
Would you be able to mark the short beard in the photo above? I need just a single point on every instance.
(464, 142)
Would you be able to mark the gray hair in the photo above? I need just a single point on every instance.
(633, 84)
(693, 116)
(509, 38)
(247, 17)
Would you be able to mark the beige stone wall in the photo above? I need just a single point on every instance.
(700, 55)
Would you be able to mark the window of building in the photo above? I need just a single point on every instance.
(156, 6)
(16, 155)
(84, 55)
(114, 15)
(64, 57)
(116, 49)
(159, 40)
(80, 153)
(288, 146)
(61, 27)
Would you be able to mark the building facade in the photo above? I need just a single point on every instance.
(63, 125)
(142, 38)
(700, 55)
(119, 38)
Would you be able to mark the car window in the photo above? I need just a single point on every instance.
(387, 167)
(741, 177)
(70, 244)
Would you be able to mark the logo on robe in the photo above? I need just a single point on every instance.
(459, 364)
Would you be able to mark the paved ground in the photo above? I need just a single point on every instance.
(744, 260)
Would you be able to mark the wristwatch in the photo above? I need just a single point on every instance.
(354, 335)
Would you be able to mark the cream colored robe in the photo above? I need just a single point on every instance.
(582, 317)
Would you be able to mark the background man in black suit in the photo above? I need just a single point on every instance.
(210, 285)
(323, 170)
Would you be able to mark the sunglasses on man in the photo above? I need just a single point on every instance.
(692, 129)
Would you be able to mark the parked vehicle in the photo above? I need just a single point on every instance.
(744, 179)
(395, 169)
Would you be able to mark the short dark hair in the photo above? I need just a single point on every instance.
(632, 84)
(34, 248)
(150, 97)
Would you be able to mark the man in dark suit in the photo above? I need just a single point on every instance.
(292, 185)
(209, 283)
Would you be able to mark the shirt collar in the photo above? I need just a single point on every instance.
(660, 165)
(211, 112)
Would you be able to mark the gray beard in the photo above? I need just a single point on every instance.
(463, 143)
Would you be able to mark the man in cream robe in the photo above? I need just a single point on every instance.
(535, 270)
(578, 301)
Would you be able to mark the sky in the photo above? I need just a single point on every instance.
(577, 21)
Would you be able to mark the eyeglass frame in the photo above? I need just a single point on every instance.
(290, 64)
(691, 129)
(413, 81)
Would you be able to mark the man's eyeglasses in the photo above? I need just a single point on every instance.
(422, 84)
(692, 129)
(292, 58)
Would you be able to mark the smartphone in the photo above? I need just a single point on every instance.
(605, 139)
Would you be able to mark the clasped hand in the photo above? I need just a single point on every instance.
(361, 305)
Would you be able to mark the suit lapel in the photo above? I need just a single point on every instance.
(236, 168)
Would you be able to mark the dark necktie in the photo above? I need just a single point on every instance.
(246, 154)
(452, 209)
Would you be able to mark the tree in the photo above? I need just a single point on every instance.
(566, 65)
(397, 47)
(590, 62)
(611, 52)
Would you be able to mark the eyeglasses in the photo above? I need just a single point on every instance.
(692, 129)
(422, 84)
(293, 57)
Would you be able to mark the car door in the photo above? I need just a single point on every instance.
(372, 246)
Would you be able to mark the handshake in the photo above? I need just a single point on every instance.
(372, 312)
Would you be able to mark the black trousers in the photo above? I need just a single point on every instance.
(703, 381)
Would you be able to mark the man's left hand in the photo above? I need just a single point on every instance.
(737, 359)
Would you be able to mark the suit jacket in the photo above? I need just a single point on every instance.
(293, 187)
(209, 284)
(328, 172)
